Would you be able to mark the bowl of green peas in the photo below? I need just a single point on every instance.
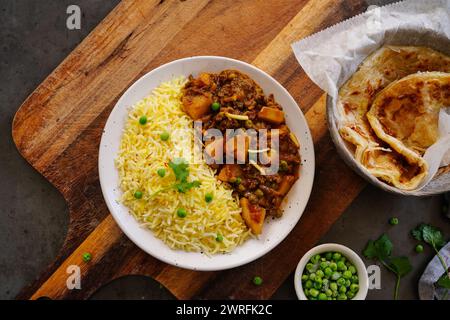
(331, 272)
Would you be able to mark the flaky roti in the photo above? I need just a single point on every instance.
(388, 64)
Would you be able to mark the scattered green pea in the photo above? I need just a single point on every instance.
(143, 120)
(305, 277)
(87, 257)
(257, 281)
(419, 248)
(219, 238)
(181, 213)
(352, 269)
(215, 106)
(320, 273)
(161, 172)
(209, 197)
(164, 136)
(333, 266)
(308, 284)
(393, 221)
(138, 194)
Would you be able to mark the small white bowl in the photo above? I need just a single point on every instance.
(345, 251)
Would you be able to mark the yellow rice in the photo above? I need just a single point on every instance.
(142, 153)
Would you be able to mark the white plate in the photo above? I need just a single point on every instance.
(274, 230)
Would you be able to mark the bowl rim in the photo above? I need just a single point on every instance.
(348, 253)
(180, 263)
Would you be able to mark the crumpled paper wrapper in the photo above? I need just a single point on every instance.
(331, 56)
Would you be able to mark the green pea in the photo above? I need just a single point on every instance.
(143, 120)
(393, 221)
(309, 267)
(313, 292)
(341, 266)
(315, 259)
(164, 136)
(161, 172)
(350, 295)
(215, 106)
(209, 197)
(319, 273)
(341, 282)
(325, 282)
(328, 292)
(342, 289)
(354, 288)
(328, 272)
(312, 276)
(336, 256)
(342, 297)
(317, 284)
(181, 213)
(305, 277)
(333, 286)
(348, 283)
(238, 181)
(87, 257)
(138, 195)
(347, 274)
(354, 279)
(219, 238)
(323, 296)
(419, 248)
(352, 269)
(328, 255)
(324, 265)
(333, 266)
(308, 284)
(257, 281)
(335, 276)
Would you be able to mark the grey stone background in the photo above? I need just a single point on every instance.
(33, 215)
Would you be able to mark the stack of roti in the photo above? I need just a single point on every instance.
(389, 111)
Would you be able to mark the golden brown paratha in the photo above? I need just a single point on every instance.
(388, 64)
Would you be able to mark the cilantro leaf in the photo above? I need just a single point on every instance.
(180, 169)
(433, 236)
(444, 281)
(379, 249)
(401, 265)
(183, 187)
(417, 232)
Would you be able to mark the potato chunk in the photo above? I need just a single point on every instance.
(196, 106)
(229, 172)
(272, 115)
(286, 184)
(253, 216)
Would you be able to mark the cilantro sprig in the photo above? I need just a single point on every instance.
(433, 236)
(381, 250)
(180, 169)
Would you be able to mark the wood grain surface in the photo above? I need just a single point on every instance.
(58, 130)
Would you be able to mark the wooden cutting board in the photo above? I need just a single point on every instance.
(58, 130)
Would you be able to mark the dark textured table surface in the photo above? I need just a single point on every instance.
(33, 215)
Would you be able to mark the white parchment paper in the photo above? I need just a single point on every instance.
(331, 56)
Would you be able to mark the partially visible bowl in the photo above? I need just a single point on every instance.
(345, 251)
